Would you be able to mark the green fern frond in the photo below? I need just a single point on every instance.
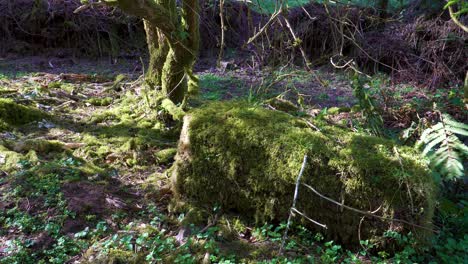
(370, 112)
(444, 148)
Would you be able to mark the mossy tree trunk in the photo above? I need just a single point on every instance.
(173, 42)
(158, 49)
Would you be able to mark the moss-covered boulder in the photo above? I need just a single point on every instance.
(13, 114)
(9, 159)
(98, 255)
(246, 159)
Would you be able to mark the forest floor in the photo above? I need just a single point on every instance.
(235, 79)
(92, 169)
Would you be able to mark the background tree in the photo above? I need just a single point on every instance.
(382, 6)
(173, 41)
(458, 8)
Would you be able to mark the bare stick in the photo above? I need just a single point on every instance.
(296, 192)
(221, 46)
(273, 17)
(308, 218)
(297, 42)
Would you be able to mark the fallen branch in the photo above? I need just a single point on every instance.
(293, 207)
(264, 28)
(308, 218)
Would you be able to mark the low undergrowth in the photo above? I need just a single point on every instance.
(83, 178)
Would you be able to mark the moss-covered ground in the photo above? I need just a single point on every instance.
(84, 160)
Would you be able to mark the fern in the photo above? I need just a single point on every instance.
(369, 110)
(446, 152)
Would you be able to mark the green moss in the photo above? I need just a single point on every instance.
(3, 125)
(176, 112)
(100, 101)
(337, 110)
(166, 156)
(345, 109)
(246, 159)
(54, 84)
(194, 215)
(112, 256)
(92, 169)
(118, 81)
(247, 252)
(283, 105)
(9, 159)
(355, 108)
(68, 87)
(39, 145)
(13, 114)
(226, 230)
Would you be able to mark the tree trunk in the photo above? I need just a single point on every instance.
(173, 42)
(171, 63)
(158, 50)
(174, 82)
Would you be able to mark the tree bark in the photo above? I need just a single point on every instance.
(174, 82)
(173, 43)
(158, 49)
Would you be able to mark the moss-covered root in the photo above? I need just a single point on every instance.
(176, 112)
(246, 159)
(165, 156)
(13, 114)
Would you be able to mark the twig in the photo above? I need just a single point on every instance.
(308, 218)
(293, 207)
(311, 125)
(221, 46)
(297, 41)
(86, 6)
(215, 220)
(349, 64)
(272, 18)
(303, 119)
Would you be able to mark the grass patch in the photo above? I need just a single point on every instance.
(214, 87)
(268, 6)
